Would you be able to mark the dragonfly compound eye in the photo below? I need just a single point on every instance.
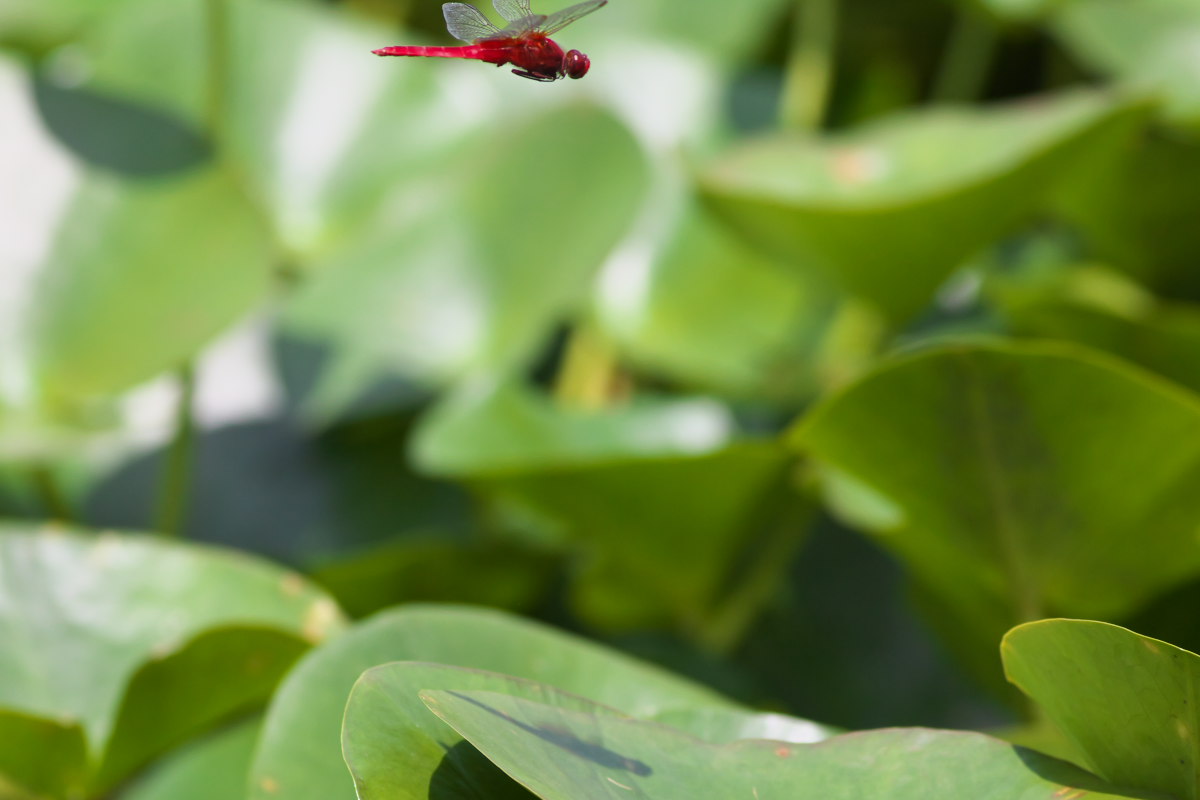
(576, 64)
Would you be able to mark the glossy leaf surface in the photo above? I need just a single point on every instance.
(299, 757)
(1128, 702)
(174, 638)
(560, 750)
(1006, 495)
(864, 204)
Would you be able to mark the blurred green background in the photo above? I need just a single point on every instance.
(427, 331)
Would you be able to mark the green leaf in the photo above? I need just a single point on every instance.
(299, 757)
(657, 500)
(504, 257)
(213, 768)
(707, 309)
(562, 751)
(173, 639)
(320, 129)
(144, 274)
(892, 209)
(41, 757)
(1150, 44)
(1018, 481)
(1135, 212)
(39, 25)
(1127, 702)
(1019, 11)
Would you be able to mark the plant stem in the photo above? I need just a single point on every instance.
(177, 469)
(963, 74)
(851, 343)
(589, 377)
(216, 15)
(54, 501)
(808, 81)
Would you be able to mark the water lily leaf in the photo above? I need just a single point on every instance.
(863, 204)
(1006, 494)
(657, 500)
(724, 725)
(559, 750)
(1134, 212)
(1150, 44)
(174, 638)
(1127, 702)
(299, 757)
(213, 768)
(505, 257)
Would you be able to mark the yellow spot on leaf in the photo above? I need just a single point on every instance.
(623, 786)
(269, 785)
(319, 618)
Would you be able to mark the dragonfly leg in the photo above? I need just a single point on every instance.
(533, 76)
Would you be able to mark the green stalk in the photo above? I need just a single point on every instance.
(177, 467)
(967, 62)
(216, 17)
(589, 377)
(50, 493)
(808, 80)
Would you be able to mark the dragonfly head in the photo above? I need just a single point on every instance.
(576, 64)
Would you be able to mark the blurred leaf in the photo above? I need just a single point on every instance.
(211, 769)
(437, 569)
(39, 25)
(657, 501)
(1128, 702)
(707, 309)
(142, 276)
(563, 749)
(1019, 11)
(321, 129)
(1135, 211)
(485, 428)
(117, 135)
(141, 643)
(299, 756)
(41, 758)
(1150, 44)
(475, 270)
(1018, 481)
(1166, 339)
(893, 208)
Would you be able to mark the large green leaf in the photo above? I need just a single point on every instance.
(213, 768)
(892, 209)
(707, 309)
(1150, 44)
(142, 276)
(139, 644)
(658, 501)
(299, 757)
(1018, 481)
(1135, 212)
(1128, 702)
(319, 128)
(562, 748)
(484, 261)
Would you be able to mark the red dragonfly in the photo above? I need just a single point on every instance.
(525, 43)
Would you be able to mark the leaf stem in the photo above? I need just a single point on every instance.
(589, 377)
(216, 16)
(808, 80)
(50, 493)
(967, 61)
(177, 469)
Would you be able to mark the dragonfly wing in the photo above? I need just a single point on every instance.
(467, 23)
(561, 19)
(518, 28)
(513, 10)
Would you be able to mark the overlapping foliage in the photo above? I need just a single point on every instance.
(729, 355)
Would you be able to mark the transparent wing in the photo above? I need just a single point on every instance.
(520, 27)
(513, 10)
(559, 20)
(467, 23)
